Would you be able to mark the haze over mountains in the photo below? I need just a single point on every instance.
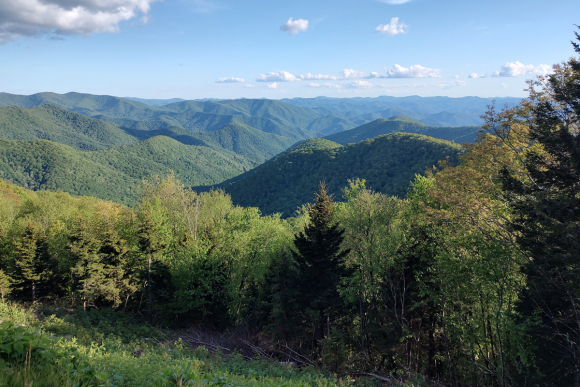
(103, 145)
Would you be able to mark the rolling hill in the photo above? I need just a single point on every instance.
(50, 122)
(266, 115)
(113, 173)
(388, 163)
(404, 124)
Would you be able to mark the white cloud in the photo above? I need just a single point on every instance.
(352, 74)
(415, 71)
(295, 26)
(66, 17)
(317, 77)
(475, 76)
(314, 84)
(374, 75)
(249, 86)
(230, 80)
(516, 69)
(450, 84)
(359, 85)
(280, 76)
(393, 28)
(273, 85)
(332, 86)
(394, 2)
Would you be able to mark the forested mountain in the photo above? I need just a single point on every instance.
(113, 173)
(436, 111)
(266, 115)
(155, 102)
(50, 122)
(404, 124)
(388, 163)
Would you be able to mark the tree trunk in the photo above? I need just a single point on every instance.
(149, 288)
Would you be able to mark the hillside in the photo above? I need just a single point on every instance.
(113, 173)
(404, 124)
(50, 122)
(266, 115)
(388, 163)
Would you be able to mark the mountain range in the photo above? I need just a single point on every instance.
(103, 145)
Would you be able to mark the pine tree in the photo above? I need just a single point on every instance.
(31, 260)
(320, 263)
(546, 205)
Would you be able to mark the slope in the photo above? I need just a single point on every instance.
(113, 173)
(256, 146)
(404, 124)
(388, 163)
(273, 116)
(51, 122)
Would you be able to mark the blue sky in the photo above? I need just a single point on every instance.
(281, 49)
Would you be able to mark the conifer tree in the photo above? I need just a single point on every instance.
(546, 204)
(31, 260)
(320, 262)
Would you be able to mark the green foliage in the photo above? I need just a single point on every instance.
(143, 361)
(388, 163)
(545, 199)
(114, 173)
(50, 122)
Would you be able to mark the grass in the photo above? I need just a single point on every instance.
(105, 348)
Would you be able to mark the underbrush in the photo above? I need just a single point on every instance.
(55, 347)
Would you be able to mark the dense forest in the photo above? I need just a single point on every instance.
(388, 164)
(471, 279)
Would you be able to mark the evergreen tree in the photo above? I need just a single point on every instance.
(31, 260)
(320, 263)
(546, 204)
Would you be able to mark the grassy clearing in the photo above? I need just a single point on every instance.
(55, 348)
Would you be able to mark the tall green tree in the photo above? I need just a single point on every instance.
(31, 260)
(320, 262)
(545, 200)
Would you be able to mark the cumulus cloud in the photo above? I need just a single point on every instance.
(393, 28)
(359, 85)
(374, 75)
(67, 17)
(352, 74)
(475, 76)
(280, 76)
(230, 80)
(332, 86)
(516, 69)
(249, 86)
(314, 84)
(317, 77)
(294, 26)
(273, 85)
(415, 71)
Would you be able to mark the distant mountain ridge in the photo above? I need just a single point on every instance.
(465, 134)
(435, 111)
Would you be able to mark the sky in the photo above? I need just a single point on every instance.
(195, 49)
